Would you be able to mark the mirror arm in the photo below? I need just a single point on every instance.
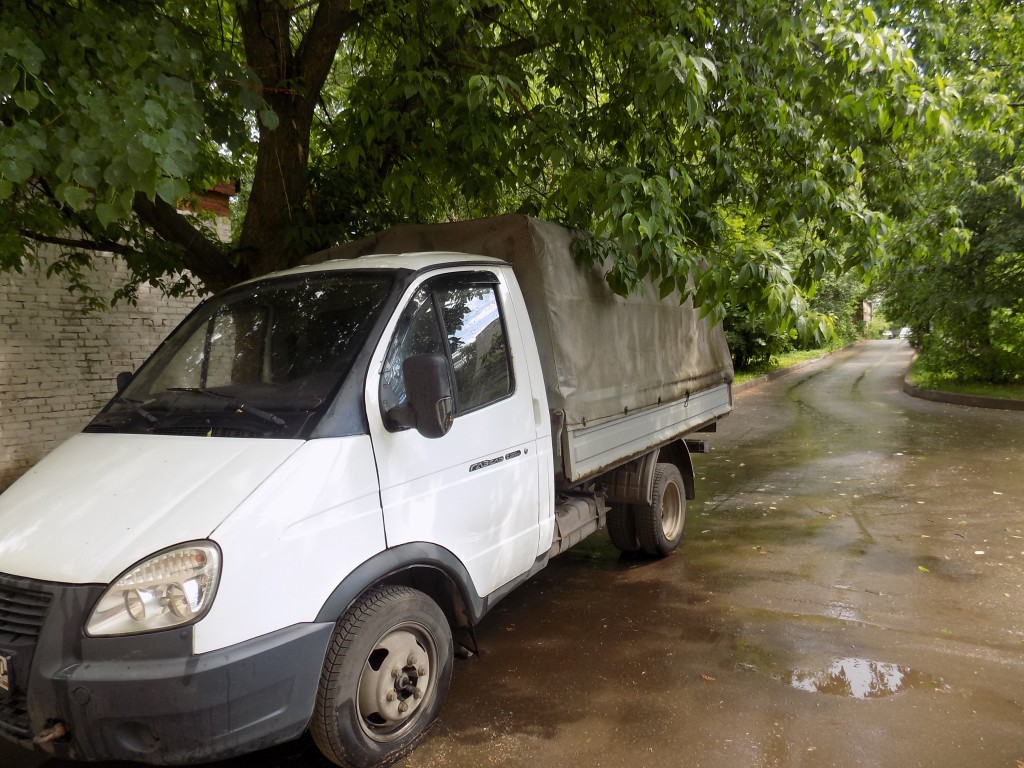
(402, 416)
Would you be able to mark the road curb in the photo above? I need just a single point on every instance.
(974, 401)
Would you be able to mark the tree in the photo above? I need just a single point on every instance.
(968, 311)
(965, 303)
(835, 300)
(656, 123)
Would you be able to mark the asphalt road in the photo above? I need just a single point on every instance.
(849, 593)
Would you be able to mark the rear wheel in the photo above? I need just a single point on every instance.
(384, 679)
(622, 528)
(659, 525)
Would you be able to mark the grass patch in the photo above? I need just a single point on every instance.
(784, 360)
(947, 382)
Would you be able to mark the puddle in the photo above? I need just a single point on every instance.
(862, 679)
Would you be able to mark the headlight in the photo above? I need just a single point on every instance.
(166, 590)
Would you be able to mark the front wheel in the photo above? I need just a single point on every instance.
(384, 679)
(659, 525)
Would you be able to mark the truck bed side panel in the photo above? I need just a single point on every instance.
(588, 451)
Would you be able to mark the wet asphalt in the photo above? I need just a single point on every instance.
(850, 592)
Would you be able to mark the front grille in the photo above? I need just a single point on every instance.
(104, 429)
(22, 612)
(14, 717)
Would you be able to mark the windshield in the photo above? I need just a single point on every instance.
(257, 360)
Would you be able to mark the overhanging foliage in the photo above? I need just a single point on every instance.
(657, 123)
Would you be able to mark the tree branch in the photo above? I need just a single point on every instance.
(200, 255)
(317, 50)
(107, 246)
(521, 47)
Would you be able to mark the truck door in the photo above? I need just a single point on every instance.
(475, 490)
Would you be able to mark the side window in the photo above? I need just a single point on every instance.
(476, 338)
(418, 333)
(463, 322)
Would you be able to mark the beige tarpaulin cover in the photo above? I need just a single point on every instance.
(602, 354)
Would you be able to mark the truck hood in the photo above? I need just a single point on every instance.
(100, 503)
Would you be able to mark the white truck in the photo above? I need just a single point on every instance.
(291, 515)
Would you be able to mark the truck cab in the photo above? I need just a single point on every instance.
(228, 506)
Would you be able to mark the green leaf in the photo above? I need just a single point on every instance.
(118, 173)
(27, 100)
(9, 79)
(107, 214)
(269, 119)
(140, 158)
(171, 191)
(86, 176)
(30, 55)
(76, 197)
(666, 288)
(169, 164)
(155, 113)
(16, 169)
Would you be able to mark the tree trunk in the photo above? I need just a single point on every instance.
(276, 201)
(292, 81)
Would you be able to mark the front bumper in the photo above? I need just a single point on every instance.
(147, 697)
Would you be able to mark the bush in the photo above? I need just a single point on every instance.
(991, 353)
(749, 344)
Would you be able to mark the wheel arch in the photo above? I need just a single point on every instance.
(677, 453)
(429, 568)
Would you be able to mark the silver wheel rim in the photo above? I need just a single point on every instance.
(671, 512)
(396, 682)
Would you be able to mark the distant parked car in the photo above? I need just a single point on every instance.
(905, 333)
(886, 334)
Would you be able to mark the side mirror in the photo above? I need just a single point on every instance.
(431, 405)
(124, 378)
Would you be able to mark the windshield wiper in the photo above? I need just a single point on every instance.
(235, 403)
(136, 406)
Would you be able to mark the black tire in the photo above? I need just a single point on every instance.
(384, 679)
(622, 528)
(659, 526)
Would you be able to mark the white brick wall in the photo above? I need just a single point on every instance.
(58, 366)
